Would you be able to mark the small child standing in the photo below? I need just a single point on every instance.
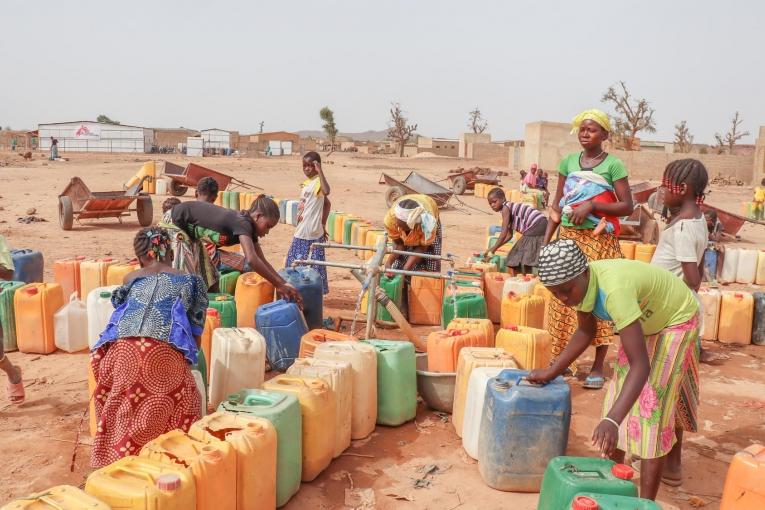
(312, 216)
(681, 251)
(522, 218)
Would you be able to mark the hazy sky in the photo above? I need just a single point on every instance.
(165, 63)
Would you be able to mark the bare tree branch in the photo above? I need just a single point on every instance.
(632, 116)
(399, 131)
(476, 121)
(683, 138)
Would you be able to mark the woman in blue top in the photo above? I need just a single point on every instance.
(141, 363)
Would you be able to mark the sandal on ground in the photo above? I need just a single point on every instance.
(594, 382)
(671, 482)
(16, 392)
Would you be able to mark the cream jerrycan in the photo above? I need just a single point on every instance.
(71, 326)
(100, 309)
(238, 361)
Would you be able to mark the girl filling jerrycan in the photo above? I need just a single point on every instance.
(523, 426)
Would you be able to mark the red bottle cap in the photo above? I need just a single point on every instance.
(622, 471)
(513, 328)
(212, 312)
(738, 295)
(169, 482)
(32, 291)
(584, 503)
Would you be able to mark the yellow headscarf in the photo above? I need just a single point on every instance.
(593, 114)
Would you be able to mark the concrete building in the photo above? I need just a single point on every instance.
(758, 173)
(465, 149)
(89, 136)
(438, 146)
(25, 140)
(545, 143)
(171, 137)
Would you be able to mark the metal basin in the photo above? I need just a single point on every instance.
(435, 388)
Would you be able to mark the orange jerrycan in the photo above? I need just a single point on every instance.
(425, 298)
(710, 304)
(744, 488)
(66, 272)
(493, 283)
(35, 305)
(644, 252)
(317, 409)
(252, 291)
(92, 419)
(61, 497)
(212, 466)
(470, 358)
(531, 347)
(313, 338)
(526, 310)
(736, 316)
(93, 274)
(253, 440)
(339, 376)
(115, 273)
(484, 327)
(444, 348)
(542, 291)
(628, 249)
(339, 223)
(212, 322)
(137, 483)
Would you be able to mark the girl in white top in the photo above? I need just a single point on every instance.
(312, 216)
(681, 251)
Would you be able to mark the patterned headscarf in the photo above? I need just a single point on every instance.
(561, 262)
(159, 242)
(593, 114)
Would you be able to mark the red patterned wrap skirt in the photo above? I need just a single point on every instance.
(144, 388)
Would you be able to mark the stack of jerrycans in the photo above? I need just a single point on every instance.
(283, 411)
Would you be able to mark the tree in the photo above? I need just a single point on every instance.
(732, 136)
(477, 122)
(399, 131)
(106, 120)
(632, 116)
(261, 125)
(329, 127)
(683, 138)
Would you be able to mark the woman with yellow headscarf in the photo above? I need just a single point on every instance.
(590, 221)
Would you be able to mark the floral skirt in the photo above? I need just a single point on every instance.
(648, 430)
(299, 250)
(562, 319)
(144, 388)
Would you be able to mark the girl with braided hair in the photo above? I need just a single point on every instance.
(681, 252)
(141, 362)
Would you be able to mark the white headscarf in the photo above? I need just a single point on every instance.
(417, 216)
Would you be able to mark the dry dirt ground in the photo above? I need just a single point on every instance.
(38, 437)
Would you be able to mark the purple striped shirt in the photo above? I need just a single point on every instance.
(523, 216)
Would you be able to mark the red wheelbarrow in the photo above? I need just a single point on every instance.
(78, 202)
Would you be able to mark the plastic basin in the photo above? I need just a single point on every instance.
(435, 388)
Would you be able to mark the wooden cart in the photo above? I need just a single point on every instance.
(469, 178)
(414, 184)
(78, 202)
(182, 178)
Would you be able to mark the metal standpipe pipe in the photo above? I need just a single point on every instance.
(368, 275)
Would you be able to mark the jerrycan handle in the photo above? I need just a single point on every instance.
(290, 380)
(135, 472)
(45, 498)
(73, 297)
(524, 381)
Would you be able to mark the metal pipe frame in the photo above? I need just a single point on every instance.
(448, 257)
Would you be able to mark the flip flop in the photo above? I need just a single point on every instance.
(16, 391)
(594, 382)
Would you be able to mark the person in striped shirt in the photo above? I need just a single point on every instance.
(521, 218)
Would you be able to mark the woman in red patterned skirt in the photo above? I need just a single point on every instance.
(144, 385)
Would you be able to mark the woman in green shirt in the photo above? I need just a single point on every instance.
(656, 316)
(590, 165)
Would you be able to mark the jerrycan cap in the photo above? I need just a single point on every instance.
(622, 471)
(32, 291)
(212, 312)
(222, 298)
(169, 482)
(584, 503)
(738, 295)
(211, 453)
(513, 328)
(502, 384)
(105, 294)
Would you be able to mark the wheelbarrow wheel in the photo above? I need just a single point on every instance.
(459, 185)
(177, 190)
(393, 193)
(144, 211)
(65, 213)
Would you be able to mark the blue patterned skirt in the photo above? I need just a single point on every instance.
(299, 250)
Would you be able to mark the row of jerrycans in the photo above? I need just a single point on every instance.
(733, 317)
(743, 266)
(81, 275)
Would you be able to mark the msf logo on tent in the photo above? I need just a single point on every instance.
(83, 131)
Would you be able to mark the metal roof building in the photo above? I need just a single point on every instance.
(89, 136)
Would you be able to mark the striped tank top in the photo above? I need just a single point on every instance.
(522, 216)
